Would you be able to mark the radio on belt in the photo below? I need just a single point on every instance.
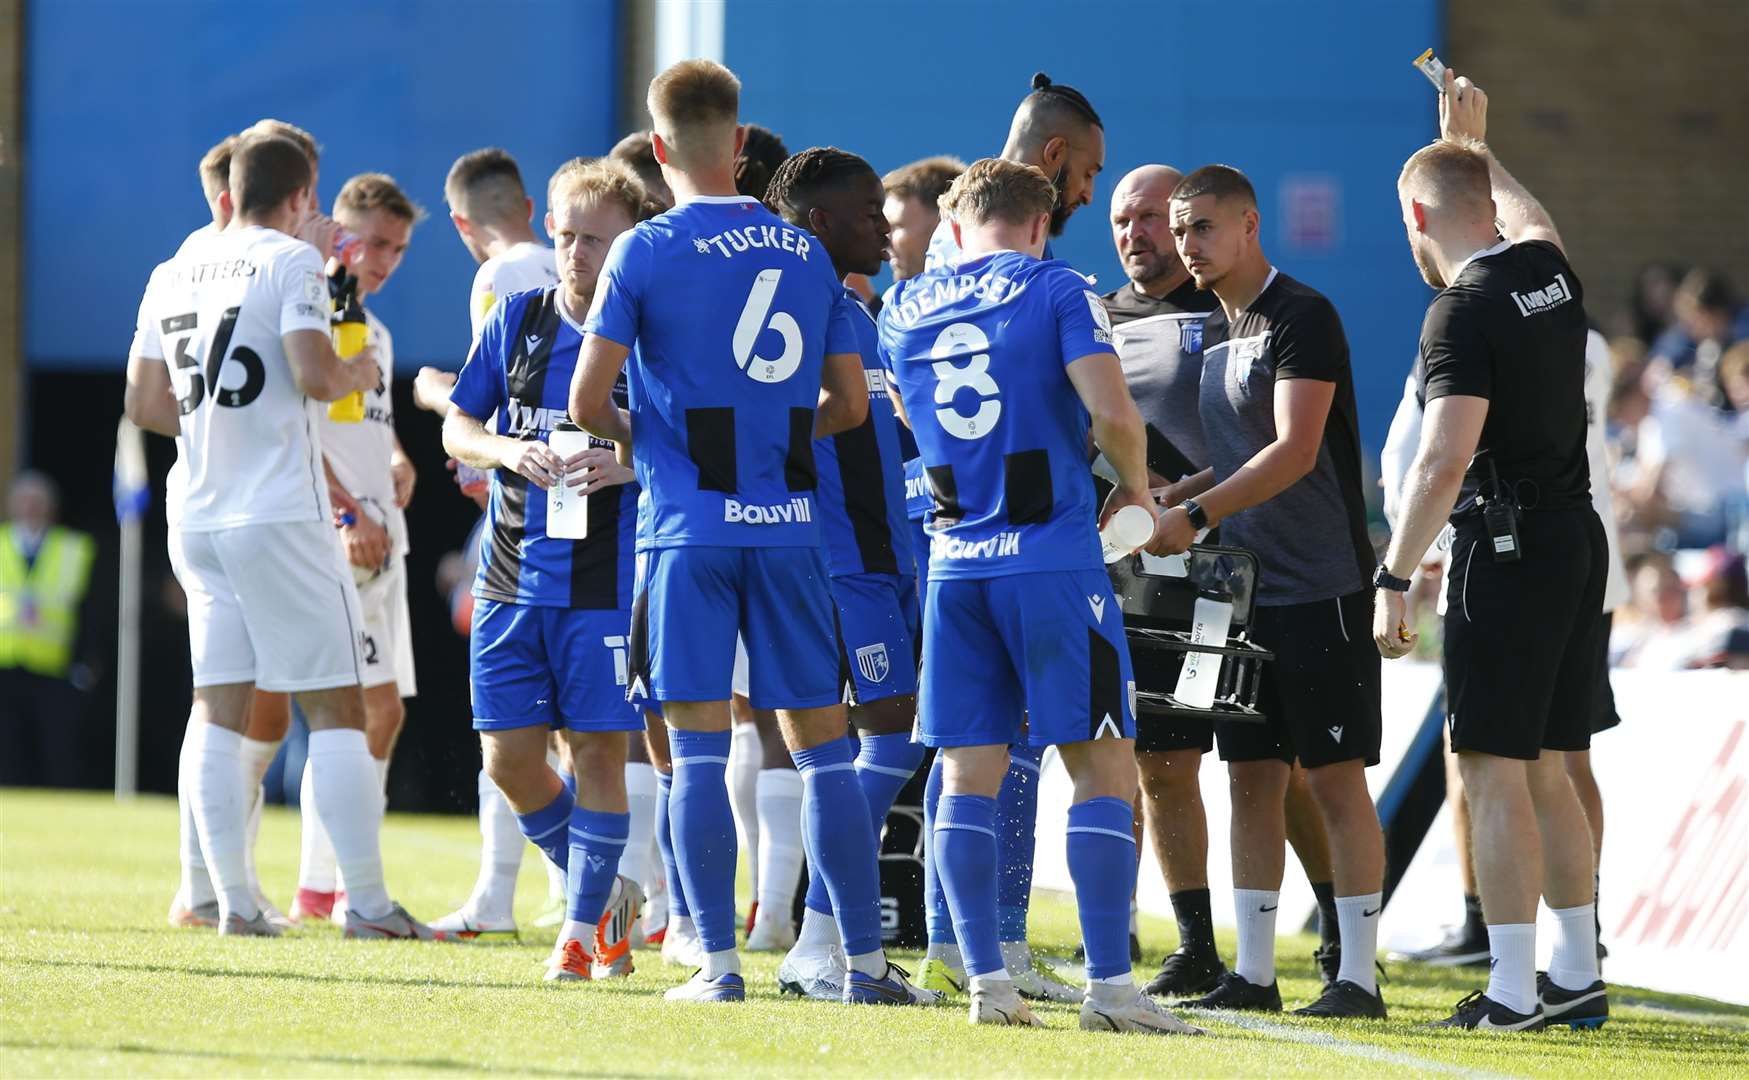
(1430, 66)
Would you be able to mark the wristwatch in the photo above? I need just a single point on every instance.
(1199, 518)
(1382, 579)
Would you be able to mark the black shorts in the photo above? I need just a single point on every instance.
(1523, 640)
(1320, 693)
(1603, 714)
(1156, 733)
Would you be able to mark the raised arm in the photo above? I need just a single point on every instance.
(1463, 118)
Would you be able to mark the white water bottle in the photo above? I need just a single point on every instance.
(1197, 679)
(1127, 530)
(567, 509)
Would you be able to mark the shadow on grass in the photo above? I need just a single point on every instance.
(433, 1064)
(281, 976)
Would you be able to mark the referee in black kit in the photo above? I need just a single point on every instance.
(1502, 370)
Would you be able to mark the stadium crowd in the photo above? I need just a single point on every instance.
(612, 580)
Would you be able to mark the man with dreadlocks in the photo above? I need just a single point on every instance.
(1056, 129)
(838, 197)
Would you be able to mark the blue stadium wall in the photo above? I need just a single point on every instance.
(122, 97)
(1315, 101)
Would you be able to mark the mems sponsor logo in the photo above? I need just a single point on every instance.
(1550, 296)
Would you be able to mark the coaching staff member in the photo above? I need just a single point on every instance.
(1502, 371)
(1276, 399)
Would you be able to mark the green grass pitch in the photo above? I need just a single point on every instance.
(92, 982)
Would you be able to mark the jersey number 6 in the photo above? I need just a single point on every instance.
(752, 323)
(254, 372)
(951, 378)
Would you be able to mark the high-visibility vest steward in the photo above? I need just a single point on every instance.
(39, 601)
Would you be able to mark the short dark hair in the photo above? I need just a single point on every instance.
(306, 142)
(761, 154)
(265, 171)
(796, 187)
(1707, 290)
(926, 180)
(1221, 181)
(485, 185)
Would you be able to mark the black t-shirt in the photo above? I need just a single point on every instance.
(1310, 540)
(1511, 329)
(1159, 342)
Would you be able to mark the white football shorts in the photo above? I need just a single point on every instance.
(388, 629)
(270, 604)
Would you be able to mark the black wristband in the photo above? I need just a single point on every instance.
(1382, 579)
(1199, 517)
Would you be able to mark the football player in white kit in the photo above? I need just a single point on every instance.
(196, 902)
(372, 481)
(234, 356)
(493, 216)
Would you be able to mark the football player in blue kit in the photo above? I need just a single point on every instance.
(742, 353)
(1056, 129)
(837, 197)
(1005, 366)
(552, 616)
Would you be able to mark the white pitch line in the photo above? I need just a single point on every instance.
(1679, 1012)
(1325, 1041)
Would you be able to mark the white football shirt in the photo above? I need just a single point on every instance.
(526, 266)
(250, 447)
(359, 453)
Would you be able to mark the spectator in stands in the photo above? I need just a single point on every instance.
(45, 574)
(1652, 307)
(1682, 472)
(1709, 319)
(1654, 617)
(1718, 633)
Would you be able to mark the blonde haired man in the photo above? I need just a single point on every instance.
(552, 615)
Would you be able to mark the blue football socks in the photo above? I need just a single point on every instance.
(546, 828)
(665, 844)
(937, 920)
(597, 840)
(703, 829)
(965, 849)
(884, 764)
(840, 842)
(1102, 864)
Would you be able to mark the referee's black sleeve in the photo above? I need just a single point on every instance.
(1455, 355)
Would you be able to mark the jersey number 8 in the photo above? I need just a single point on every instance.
(951, 378)
(254, 372)
(752, 322)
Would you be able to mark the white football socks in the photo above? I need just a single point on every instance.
(1512, 974)
(780, 839)
(256, 756)
(870, 963)
(723, 962)
(348, 792)
(1255, 910)
(818, 935)
(1357, 921)
(197, 884)
(317, 870)
(635, 861)
(501, 847)
(746, 755)
(220, 809)
(1574, 963)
